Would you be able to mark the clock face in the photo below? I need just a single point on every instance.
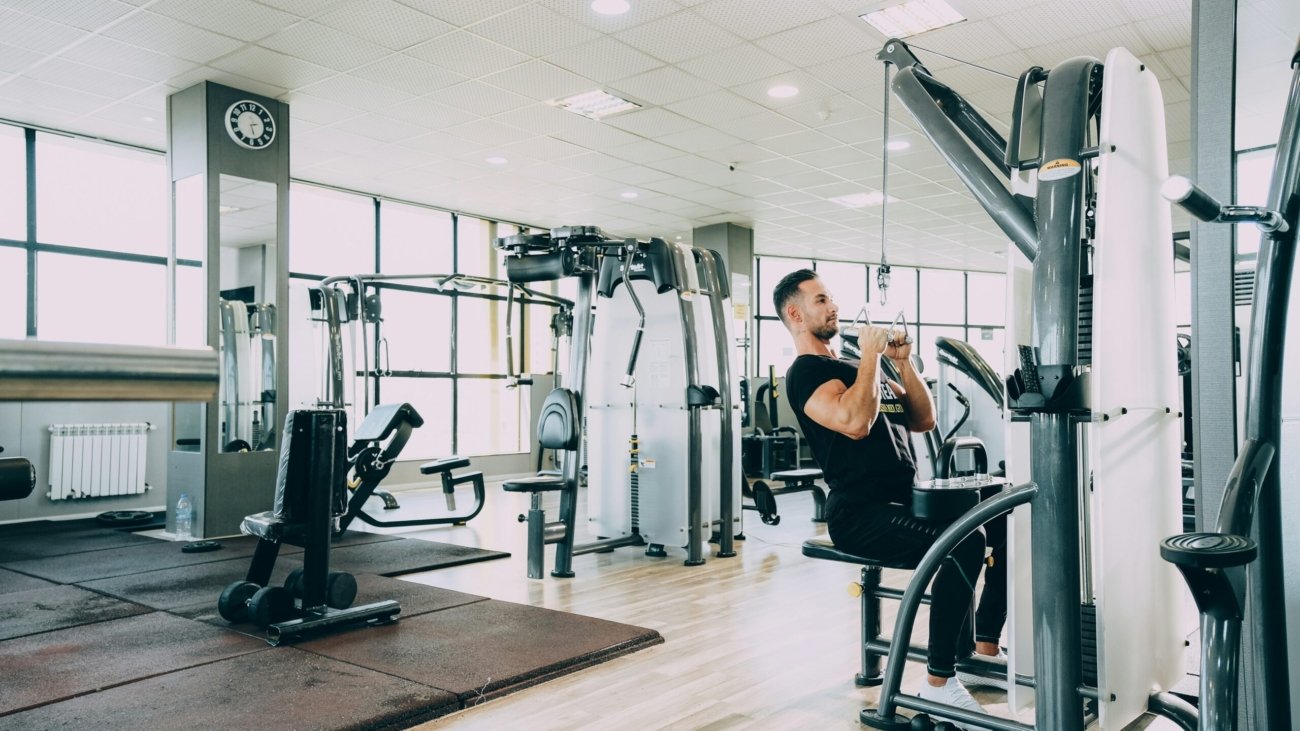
(250, 124)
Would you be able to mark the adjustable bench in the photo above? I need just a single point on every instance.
(309, 493)
(764, 495)
(372, 459)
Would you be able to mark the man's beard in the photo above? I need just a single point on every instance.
(825, 332)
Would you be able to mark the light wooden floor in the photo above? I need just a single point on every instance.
(765, 640)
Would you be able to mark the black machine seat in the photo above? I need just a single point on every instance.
(535, 483)
(824, 549)
(268, 527)
(1208, 550)
(445, 464)
(796, 477)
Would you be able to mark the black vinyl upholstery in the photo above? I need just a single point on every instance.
(558, 426)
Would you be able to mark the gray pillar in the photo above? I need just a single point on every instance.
(1214, 407)
(734, 243)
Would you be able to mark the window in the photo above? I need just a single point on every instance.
(925, 347)
(847, 284)
(95, 300)
(943, 296)
(1254, 171)
(13, 185)
(986, 298)
(900, 296)
(771, 271)
(476, 251)
(480, 335)
(989, 343)
(431, 398)
(414, 240)
(776, 348)
(13, 293)
(330, 233)
(493, 419)
(100, 196)
(417, 327)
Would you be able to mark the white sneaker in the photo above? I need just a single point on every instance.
(951, 693)
(972, 680)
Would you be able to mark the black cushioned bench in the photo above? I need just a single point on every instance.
(800, 480)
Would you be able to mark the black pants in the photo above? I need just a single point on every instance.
(888, 532)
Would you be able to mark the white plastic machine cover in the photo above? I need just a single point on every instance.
(661, 416)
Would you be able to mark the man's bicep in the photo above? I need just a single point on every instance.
(824, 403)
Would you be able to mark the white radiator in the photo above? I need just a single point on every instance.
(97, 460)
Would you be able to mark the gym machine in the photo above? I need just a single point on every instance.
(1083, 164)
(1235, 571)
(661, 444)
(247, 389)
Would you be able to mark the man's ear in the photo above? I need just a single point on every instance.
(792, 314)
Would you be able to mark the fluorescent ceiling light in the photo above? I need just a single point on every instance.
(496, 160)
(897, 145)
(782, 91)
(594, 104)
(861, 200)
(610, 7)
(223, 210)
(912, 17)
(629, 194)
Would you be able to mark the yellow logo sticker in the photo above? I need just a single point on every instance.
(1059, 169)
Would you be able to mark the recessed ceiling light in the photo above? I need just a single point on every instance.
(610, 7)
(496, 160)
(912, 17)
(594, 104)
(782, 91)
(861, 200)
(629, 194)
(897, 145)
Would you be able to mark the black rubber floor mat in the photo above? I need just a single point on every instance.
(185, 585)
(485, 649)
(11, 581)
(151, 555)
(406, 556)
(53, 666)
(65, 542)
(281, 688)
(57, 607)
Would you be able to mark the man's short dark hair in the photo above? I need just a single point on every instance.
(788, 288)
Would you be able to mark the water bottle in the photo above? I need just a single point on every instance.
(184, 518)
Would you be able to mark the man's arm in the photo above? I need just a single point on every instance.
(915, 396)
(851, 410)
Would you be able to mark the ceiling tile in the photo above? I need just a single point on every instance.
(467, 54)
(736, 65)
(819, 42)
(479, 98)
(546, 149)
(698, 139)
(717, 108)
(407, 74)
(653, 122)
(805, 141)
(762, 125)
(92, 79)
(356, 91)
(127, 59)
(36, 34)
(534, 30)
(14, 59)
(539, 80)
(382, 128)
(603, 59)
(324, 46)
(270, 67)
(428, 113)
(757, 18)
(663, 85)
(319, 110)
(644, 151)
(384, 22)
(78, 14)
(300, 8)
(678, 37)
(641, 11)
(20, 89)
(489, 132)
(809, 88)
(242, 19)
(168, 35)
(1164, 32)
(463, 13)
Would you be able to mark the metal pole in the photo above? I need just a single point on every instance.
(578, 351)
(714, 271)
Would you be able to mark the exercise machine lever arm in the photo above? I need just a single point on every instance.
(629, 253)
(1204, 206)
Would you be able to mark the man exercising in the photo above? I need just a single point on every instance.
(857, 424)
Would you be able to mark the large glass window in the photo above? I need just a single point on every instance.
(13, 293)
(414, 240)
(100, 196)
(96, 300)
(13, 184)
(431, 398)
(928, 351)
(476, 251)
(771, 272)
(986, 298)
(330, 233)
(417, 330)
(847, 284)
(480, 335)
(943, 296)
(900, 296)
(776, 347)
(1254, 171)
(989, 342)
(493, 419)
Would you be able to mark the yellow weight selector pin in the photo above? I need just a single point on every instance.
(855, 589)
